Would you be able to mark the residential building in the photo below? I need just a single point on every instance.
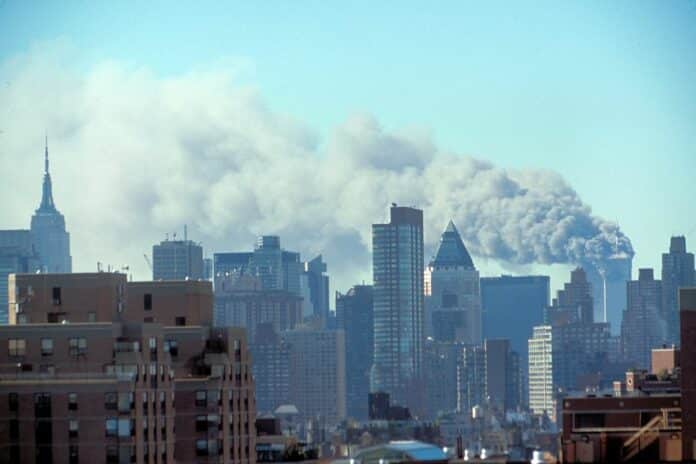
(453, 301)
(241, 301)
(643, 327)
(440, 376)
(677, 272)
(51, 240)
(649, 417)
(638, 420)
(489, 374)
(687, 324)
(84, 379)
(397, 270)
(354, 314)
(17, 255)
(317, 374)
(177, 260)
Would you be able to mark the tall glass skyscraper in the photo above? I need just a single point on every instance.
(397, 269)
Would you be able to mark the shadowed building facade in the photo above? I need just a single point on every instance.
(677, 271)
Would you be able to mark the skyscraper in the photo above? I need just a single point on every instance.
(677, 271)
(177, 260)
(318, 285)
(512, 306)
(17, 256)
(276, 268)
(643, 327)
(354, 314)
(51, 240)
(569, 352)
(454, 301)
(397, 270)
(574, 303)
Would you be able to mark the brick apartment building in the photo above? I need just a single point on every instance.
(649, 417)
(95, 369)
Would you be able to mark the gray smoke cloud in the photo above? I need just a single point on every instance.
(135, 155)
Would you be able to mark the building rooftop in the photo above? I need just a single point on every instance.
(452, 251)
(400, 451)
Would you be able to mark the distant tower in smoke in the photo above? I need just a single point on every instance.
(608, 279)
(49, 236)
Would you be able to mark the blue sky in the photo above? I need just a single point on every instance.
(601, 92)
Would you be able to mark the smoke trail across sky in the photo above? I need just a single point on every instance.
(136, 155)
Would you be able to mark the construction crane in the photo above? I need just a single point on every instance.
(147, 260)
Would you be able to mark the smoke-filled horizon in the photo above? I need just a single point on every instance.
(134, 156)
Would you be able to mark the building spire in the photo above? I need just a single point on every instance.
(47, 193)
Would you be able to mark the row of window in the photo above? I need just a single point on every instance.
(18, 346)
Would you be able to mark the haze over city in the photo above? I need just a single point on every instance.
(244, 126)
(347, 233)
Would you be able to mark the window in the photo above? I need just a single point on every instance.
(147, 301)
(148, 320)
(17, 346)
(110, 400)
(73, 454)
(153, 345)
(77, 346)
(449, 300)
(201, 447)
(125, 400)
(172, 346)
(124, 427)
(72, 401)
(180, 320)
(111, 427)
(201, 424)
(112, 454)
(13, 402)
(201, 398)
(14, 429)
(72, 428)
(56, 296)
(46, 346)
(47, 369)
(91, 316)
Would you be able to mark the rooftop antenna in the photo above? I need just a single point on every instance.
(46, 155)
(185, 232)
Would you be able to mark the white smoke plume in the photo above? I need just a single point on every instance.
(135, 155)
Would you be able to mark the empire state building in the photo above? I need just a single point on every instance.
(51, 240)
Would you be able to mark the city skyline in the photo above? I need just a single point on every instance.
(88, 100)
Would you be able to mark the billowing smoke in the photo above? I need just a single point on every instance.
(135, 155)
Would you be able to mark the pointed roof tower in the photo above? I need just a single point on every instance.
(452, 251)
(47, 204)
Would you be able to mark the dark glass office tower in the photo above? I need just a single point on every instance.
(397, 269)
(677, 272)
(354, 315)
